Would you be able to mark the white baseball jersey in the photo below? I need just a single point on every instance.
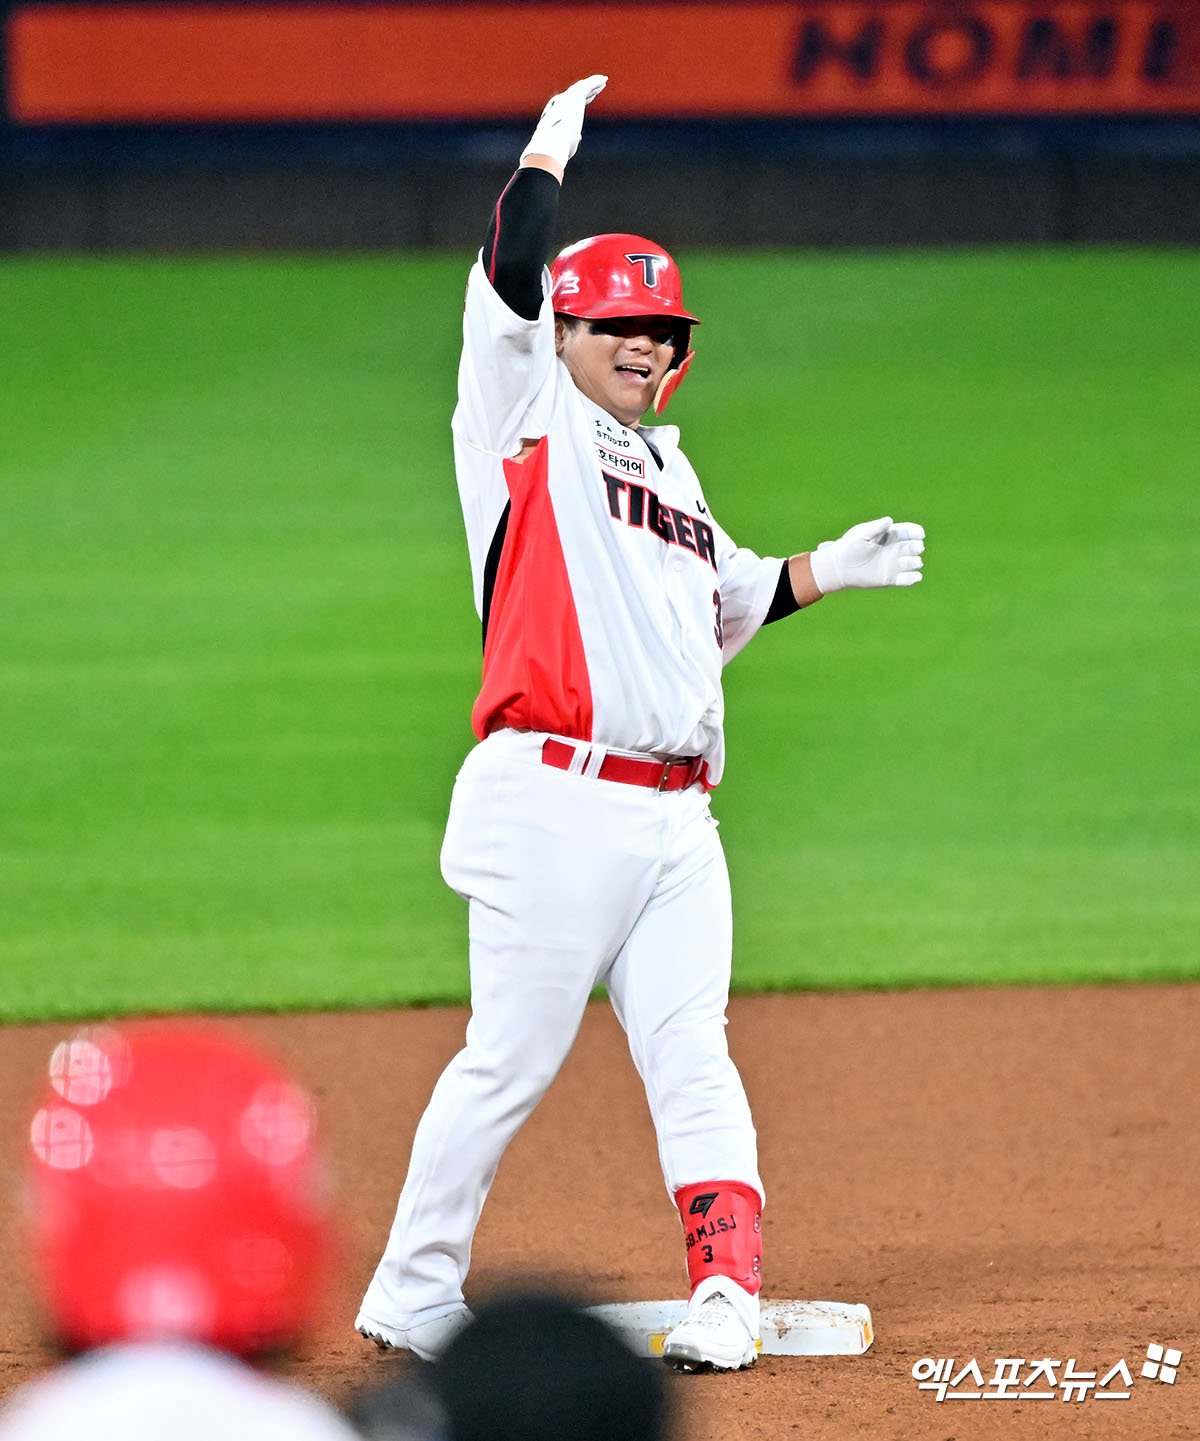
(616, 598)
(151, 1392)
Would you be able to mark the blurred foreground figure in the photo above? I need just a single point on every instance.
(179, 1221)
(527, 1368)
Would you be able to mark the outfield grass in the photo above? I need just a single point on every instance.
(239, 652)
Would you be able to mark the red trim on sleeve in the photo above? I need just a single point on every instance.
(535, 673)
(496, 236)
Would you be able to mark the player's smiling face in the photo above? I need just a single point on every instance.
(619, 364)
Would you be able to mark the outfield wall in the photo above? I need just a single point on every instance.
(882, 190)
(163, 125)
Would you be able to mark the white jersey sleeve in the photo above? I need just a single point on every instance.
(747, 584)
(505, 376)
(506, 385)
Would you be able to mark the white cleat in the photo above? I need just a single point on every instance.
(711, 1337)
(427, 1339)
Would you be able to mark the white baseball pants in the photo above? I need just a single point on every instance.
(572, 881)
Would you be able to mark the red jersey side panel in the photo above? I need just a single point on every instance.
(535, 673)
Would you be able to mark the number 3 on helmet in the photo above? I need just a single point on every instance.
(608, 277)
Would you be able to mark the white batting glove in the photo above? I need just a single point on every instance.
(561, 125)
(877, 552)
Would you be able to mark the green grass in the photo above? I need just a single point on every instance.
(238, 649)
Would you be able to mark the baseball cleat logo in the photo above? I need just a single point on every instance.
(651, 265)
(701, 1204)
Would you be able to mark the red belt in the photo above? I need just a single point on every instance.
(655, 775)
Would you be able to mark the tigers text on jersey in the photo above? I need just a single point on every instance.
(611, 596)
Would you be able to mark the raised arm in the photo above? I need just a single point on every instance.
(522, 223)
(506, 374)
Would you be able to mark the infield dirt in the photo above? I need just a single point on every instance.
(1008, 1173)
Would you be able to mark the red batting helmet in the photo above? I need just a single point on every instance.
(176, 1191)
(608, 277)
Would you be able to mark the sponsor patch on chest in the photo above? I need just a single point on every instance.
(621, 463)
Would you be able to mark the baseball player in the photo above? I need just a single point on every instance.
(179, 1221)
(580, 831)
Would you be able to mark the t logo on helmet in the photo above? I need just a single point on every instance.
(651, 265)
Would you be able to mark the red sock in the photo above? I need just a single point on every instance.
(722, 1221)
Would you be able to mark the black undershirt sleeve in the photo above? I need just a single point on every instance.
(518, 240)
(492, 565)
(784, 600)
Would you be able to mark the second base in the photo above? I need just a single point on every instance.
(789, 1328)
